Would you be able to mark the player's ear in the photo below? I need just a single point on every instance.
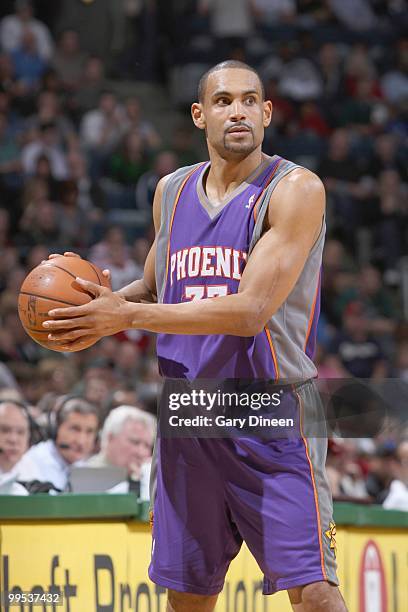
(198, 115)
(267, 113)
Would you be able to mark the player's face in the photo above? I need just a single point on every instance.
(233, 113)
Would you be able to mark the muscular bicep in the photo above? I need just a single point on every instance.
(294, 223)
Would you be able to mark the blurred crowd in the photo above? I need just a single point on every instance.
(79, 163)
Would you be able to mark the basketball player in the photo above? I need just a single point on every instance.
(235, 267)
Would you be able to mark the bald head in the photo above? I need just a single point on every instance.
(234, 64)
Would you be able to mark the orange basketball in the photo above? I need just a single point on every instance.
(52, 285)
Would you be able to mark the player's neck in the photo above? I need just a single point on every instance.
(225, 175)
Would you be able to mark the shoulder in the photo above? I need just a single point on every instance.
(40, 450)
(179, 175)
(301, 182)
(170, 184)
(9, 20)
(299, 198)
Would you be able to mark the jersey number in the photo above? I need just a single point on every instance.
(200, 292)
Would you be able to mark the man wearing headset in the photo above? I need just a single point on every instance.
(72, 441)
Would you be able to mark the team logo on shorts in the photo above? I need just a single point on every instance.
(331, 534)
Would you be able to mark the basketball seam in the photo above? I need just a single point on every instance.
(61, 268)
(96, 272)
(46, 297)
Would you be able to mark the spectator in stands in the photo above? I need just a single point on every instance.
(97, 390)
(101, 130)
(140, 250)
(100, 252)
(13, 26)
(133, 122)
(34, 190)
(357, 111)
(40, 225)
(331, 70)
(397, 498)
(301, 80)
(49, 110)
(231, 22)
(382, 468)
(128, 362)
(10, 164)
(102, 127)
(14, 442)
(165, 163)
(16, 344)
(182, 144)
(100, 25)
(69, 60)
(43, 172)
(45, 144)
(73, 440)
(130, 161)
(122, 267)
(374, 299)
(340, 175)
(90, 195)
(388, 154)
(271, 12)
(28, 64)
(127, 441)
(394, 82)
(73, 221)
(354, 14)
(358, 65)
(7, 79)
(93, 84)
(357, 350)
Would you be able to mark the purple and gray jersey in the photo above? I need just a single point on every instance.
(201, 252)
(209, 495)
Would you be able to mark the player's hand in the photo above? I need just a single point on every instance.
(107, 314)
(106, 273)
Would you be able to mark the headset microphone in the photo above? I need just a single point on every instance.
(64, 446)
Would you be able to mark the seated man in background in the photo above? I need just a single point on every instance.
(127, 441)
(397, 498)
(72, 441)
(14, 442)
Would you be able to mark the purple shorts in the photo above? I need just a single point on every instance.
(213, 494)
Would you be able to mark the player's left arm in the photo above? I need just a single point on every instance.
(294, 222)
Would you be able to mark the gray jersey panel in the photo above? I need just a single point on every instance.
(289, 325)
(170, 192)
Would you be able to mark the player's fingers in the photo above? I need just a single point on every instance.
(66, 254)
(64, 324)
(92, 288)
(64, 336)
(68, 313)
(107, 274)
